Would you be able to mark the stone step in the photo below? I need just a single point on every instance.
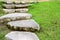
(21, 10)
(23, 25)
(9, 10)
(10, 6)
(19, 1)
(15, 16)
(16, 35)
(22, 5)
(8, 2)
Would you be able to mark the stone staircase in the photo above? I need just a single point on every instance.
(19, 21)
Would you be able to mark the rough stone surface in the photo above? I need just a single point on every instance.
(15, 16)
(17, 1)
(22, 5)
(24, 1)
(9, 10)
(15, 35)
(22, 10)
(8, 2)
(20, 1)
(8, 6)
(25, 25)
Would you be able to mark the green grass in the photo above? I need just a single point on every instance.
(47, 15)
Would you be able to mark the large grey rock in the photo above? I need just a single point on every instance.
(9, 10)
(16, 35)
(8, 6)
(15, 16)
(22, 5)
(21, 10)
(25, 25)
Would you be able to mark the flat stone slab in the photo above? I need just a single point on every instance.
(8, 2)
(21, 10)
(11, 1)
(15, 16)
(22, 5)
(9, 10)
(8, 6)
(20, 1)
(16, 35)
(23, 25)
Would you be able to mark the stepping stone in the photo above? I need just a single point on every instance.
(17, 2)
(7, 2)
(22, 5)
(11, 1)
(22, 10)
(16, 35)
(23, 25)
(28, 1)
(15, 16)
(9, 10)
(8, 6)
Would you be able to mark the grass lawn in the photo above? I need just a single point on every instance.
(47, 14)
